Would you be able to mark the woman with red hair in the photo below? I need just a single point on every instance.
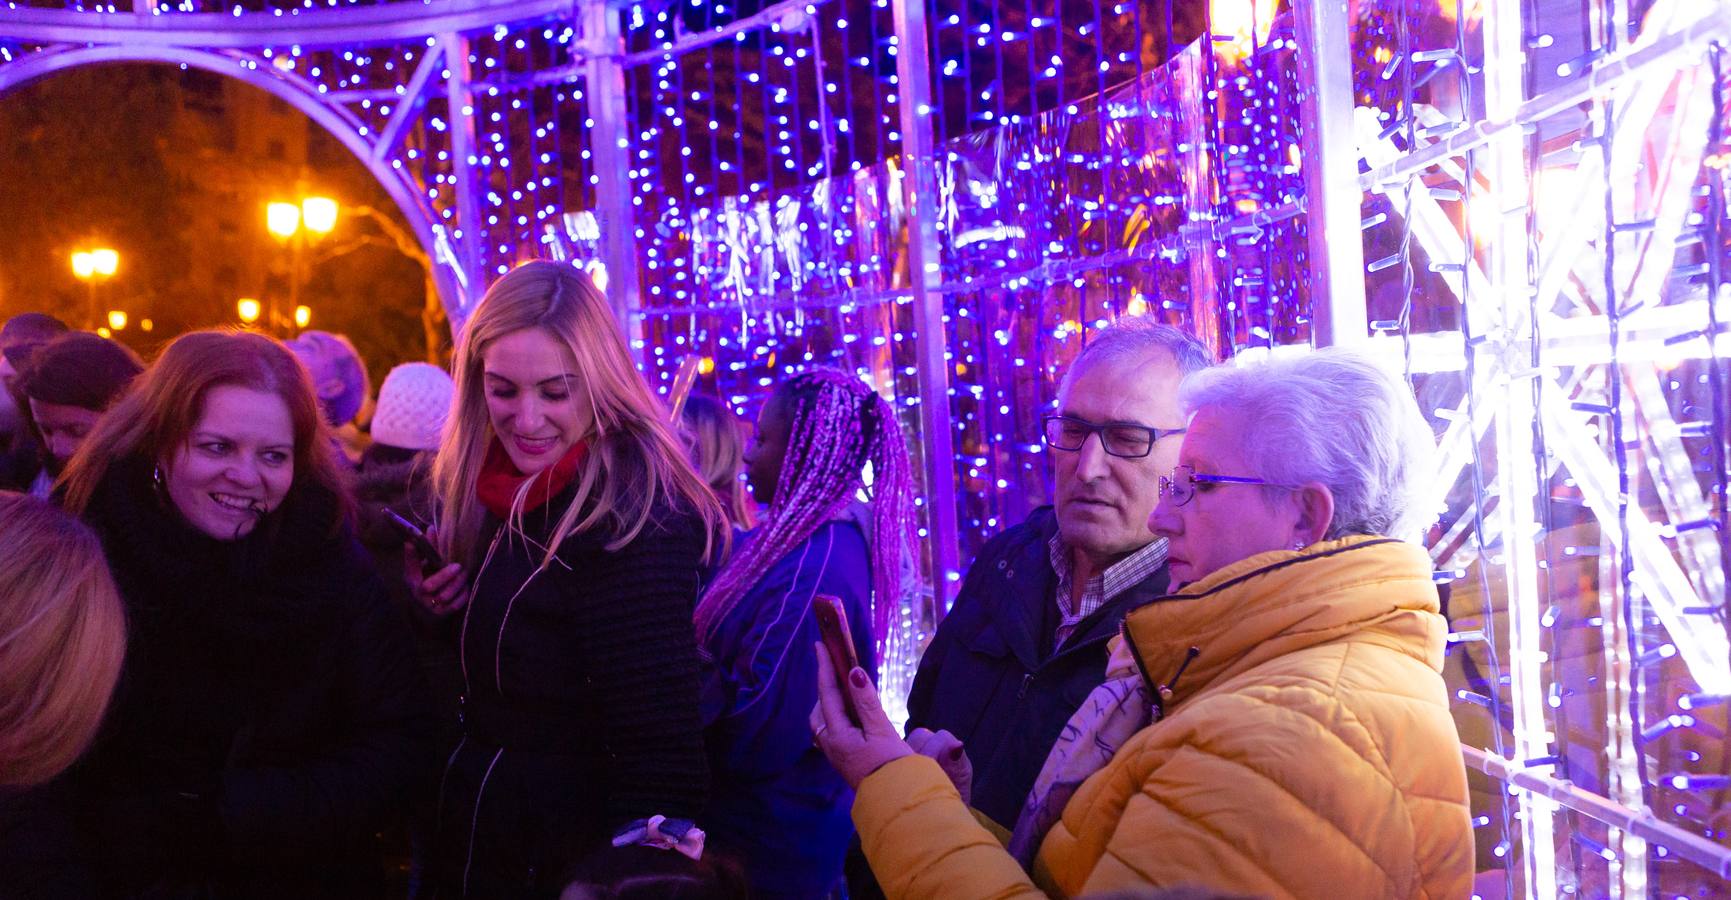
(270, 718)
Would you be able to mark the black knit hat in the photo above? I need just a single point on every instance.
(79, 369)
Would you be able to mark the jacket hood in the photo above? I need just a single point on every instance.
(1372, 589)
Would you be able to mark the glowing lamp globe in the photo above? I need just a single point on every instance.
(283, 219)
(105, 261)
(319, 214)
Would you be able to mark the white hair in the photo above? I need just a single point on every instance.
(1331, 416)
(1137, 337)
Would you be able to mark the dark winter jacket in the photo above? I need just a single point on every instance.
(270, 717)
(40, 855)
(988, 676)
(780, 809)
(581, 710)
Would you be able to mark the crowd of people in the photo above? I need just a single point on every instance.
(536, 632)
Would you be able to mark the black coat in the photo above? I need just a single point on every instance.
(270, 717)
(581, 710)
(40, 856)
(988, 676)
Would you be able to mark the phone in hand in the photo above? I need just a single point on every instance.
(838, 640)
(431, 561)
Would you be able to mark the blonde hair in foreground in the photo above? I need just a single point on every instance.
(62, 639)
(634, 460)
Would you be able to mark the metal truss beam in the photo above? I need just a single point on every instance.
(925, 277)
(1669, 52)
(1337, 301)
(464, 165)
(349, 26)
(410, 103)
(610, 144)
(1642, 824)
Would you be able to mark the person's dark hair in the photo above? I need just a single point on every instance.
(79, 369)
(25, 332)
(639, 872)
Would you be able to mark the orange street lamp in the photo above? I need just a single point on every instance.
(91, 266)
(294, 223)
(303, 316)
(248, 309)
(117, 319)
(283, 219)
(319, 214)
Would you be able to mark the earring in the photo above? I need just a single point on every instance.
(156, 476)
(1298, 544)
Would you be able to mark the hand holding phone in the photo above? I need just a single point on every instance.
(837, 639)
(431, 561)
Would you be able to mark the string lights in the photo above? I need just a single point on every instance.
(1544, 237)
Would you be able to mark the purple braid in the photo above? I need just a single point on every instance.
(839, 424)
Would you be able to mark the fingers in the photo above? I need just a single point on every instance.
(442, 592)
(942, 746)
(864, 696)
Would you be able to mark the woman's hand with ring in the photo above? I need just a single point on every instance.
(441, 593)
(855, 750)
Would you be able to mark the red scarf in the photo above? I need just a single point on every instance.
(500, 479)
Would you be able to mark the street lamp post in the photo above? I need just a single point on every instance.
(91, 266)
(293, 223)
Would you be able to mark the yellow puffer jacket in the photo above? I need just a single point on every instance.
(1308, 751)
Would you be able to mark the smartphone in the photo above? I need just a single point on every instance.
(838, 640)
(431, 561)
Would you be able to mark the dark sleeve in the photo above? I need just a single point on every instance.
(772, 680)
(341, 796)
(643, 649)
(931, 666)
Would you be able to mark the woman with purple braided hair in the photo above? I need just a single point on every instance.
(777, 805)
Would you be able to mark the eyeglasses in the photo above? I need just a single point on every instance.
(1125, 440)
(1181, 485)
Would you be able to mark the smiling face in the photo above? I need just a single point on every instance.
(1103, 501)
(236, 465)
(768, 448)
(63, 428)
(1224, 523)
(533, 398)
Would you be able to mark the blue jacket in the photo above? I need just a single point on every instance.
(989, 676)
(777, 806)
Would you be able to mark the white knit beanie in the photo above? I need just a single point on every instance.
(413, 404)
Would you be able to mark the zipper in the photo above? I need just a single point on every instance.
(1158, 693)
(1022, 692)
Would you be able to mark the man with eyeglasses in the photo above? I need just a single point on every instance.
(1026, 639)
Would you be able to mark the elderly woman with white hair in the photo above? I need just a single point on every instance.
(1278, 726)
